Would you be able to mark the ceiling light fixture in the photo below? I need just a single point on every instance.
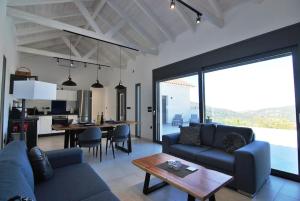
(70, 82)
(198, 13)
(172, 4)
(198, 20)
(120, 86)
(97, 84)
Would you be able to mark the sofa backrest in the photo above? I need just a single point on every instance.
(223, 130)
(15, 153)
(207, 133)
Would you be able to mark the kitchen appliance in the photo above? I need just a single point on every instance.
(58, 107)
(60, 120)
(84, 101)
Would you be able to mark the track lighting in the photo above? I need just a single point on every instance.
(172, 5)
(198, 20)
(72, 63)
(182, 3)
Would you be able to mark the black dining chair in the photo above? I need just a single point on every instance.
(119, 135)
(91, 138)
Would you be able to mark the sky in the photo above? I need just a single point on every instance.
(255, 86)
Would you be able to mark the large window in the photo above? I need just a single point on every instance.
(178, 104)
(259, 95)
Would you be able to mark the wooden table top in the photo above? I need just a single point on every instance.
(82, 126)
(201, 184)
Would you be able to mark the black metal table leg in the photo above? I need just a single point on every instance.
(212, 198)
(72, 138)
(67, 137)
(155, 187)
(191, 198)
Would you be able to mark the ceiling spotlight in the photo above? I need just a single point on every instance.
(57, 61)
(172, 5)
(72, 64)
(85, 65)
(198, 20)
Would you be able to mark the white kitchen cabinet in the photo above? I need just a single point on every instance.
(66, 95)
(44, 125)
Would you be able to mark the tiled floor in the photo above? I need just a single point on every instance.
(126, 181)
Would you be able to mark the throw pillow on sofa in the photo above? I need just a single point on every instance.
(233, 142)
(190, 136)
(41, 166)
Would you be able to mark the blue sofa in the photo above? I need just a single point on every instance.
(73, 180)
(250, 165)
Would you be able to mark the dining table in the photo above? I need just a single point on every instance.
(70, 132)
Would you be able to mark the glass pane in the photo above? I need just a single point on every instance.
(261, 96)
(179, 104)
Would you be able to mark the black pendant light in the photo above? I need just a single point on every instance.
(69, 82)
(97, 84)
(120, 86)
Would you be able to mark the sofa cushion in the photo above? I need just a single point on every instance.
(188, 152)
(218, 159)
(104, 196)
(13, 182)
(42, 169)
(222, 131)
(16, 153)
(207, 134)
(233, 142)
(189, 135)
(71, 183)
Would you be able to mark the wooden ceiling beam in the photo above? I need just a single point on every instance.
(86, 14)
(59, 25)
(70, 46)
(139, 29)
(50, 54)
(35, 2)
(155, 20)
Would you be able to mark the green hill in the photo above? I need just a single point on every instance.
(280, 118)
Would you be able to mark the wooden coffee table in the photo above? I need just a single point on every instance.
(201, 184)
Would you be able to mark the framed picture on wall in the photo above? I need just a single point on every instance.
(2, 96)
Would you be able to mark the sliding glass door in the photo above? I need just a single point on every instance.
(178, 104)
(259, 95)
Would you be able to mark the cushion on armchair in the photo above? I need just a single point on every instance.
(190, 136)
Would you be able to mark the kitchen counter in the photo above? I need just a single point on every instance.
(38, 115)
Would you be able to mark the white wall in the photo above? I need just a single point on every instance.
(242, 22)
(178, 101)
(7, 48)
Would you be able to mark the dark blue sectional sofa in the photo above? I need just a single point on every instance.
(250, 165)
(73, 180)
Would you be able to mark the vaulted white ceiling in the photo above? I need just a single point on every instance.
(141, 24)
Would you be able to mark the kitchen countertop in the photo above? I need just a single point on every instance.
(38, 115)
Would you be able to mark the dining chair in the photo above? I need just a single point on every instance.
(119, 135)
(91, 138)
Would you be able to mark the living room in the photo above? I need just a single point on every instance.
(158, 68)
